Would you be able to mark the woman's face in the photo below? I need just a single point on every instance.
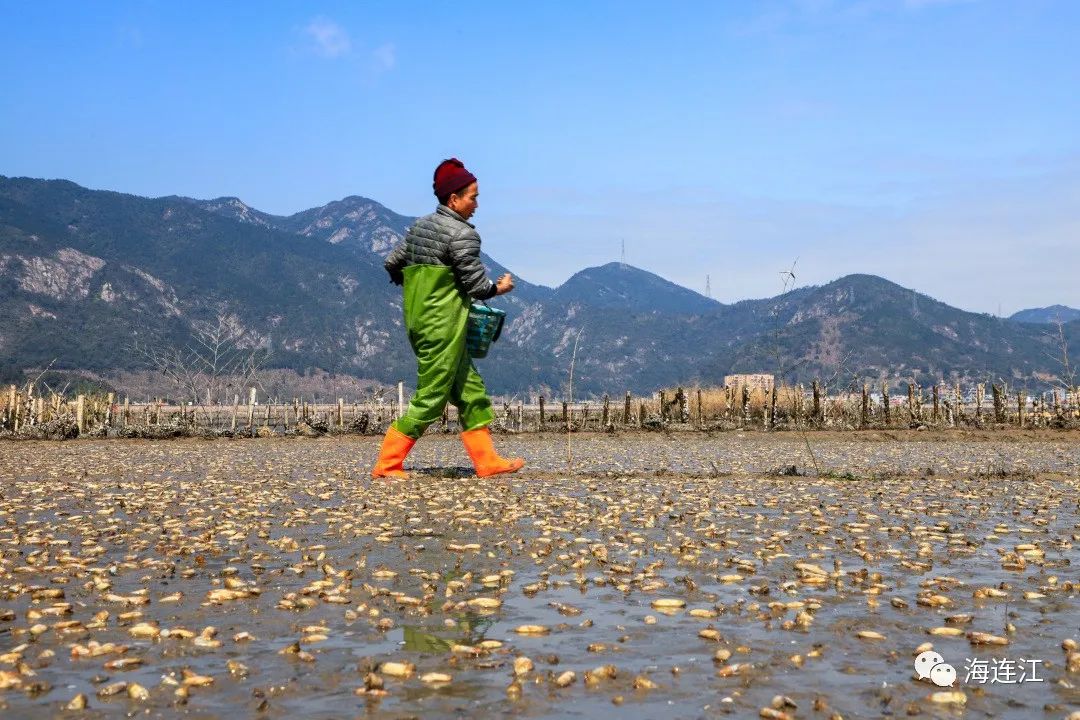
(464, 201)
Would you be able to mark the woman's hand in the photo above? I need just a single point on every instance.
(505, 284)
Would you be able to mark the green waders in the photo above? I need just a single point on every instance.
(436, 311)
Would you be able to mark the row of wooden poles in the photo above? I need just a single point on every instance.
(736, 406)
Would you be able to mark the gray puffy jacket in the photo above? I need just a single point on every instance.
(443, 238)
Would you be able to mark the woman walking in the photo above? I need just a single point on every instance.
(438, 266)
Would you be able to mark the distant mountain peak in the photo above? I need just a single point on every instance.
(617, 284)
(1051, 314)
(234, 208)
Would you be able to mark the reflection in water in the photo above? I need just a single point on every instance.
(468, 629)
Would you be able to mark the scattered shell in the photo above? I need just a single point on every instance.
(954, 697)
(484, 603)
(397, 669)
(981, 638)
(668, 603)
(522, 666)
(112, 689)
(435, 678)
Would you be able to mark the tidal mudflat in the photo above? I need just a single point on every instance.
(684, 575)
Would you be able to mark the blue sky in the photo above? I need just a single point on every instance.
(933, 142)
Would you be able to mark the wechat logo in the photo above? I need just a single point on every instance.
(931, 665)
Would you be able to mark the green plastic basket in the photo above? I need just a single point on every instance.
(484, 327)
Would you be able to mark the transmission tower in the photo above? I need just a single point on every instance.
(623, 256)
(708, 288)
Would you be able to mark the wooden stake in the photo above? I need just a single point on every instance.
(771, 422)
(864, 408)
(80, 413)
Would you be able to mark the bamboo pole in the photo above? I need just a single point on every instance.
(864, 407)
(885, 402)
(251, 409)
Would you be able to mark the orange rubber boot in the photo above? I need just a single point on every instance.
(395, 446)
(482, 453)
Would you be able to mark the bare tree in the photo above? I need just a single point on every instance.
(570, 399)
(1067, 380)
(214, 362)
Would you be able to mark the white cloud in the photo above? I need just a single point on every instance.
(328, 39)
(384, 57)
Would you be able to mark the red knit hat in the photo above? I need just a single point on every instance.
(451, 176)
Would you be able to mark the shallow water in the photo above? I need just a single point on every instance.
(642, 517)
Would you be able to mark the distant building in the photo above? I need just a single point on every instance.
(762, 381)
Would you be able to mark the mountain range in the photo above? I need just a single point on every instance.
(86, 274)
